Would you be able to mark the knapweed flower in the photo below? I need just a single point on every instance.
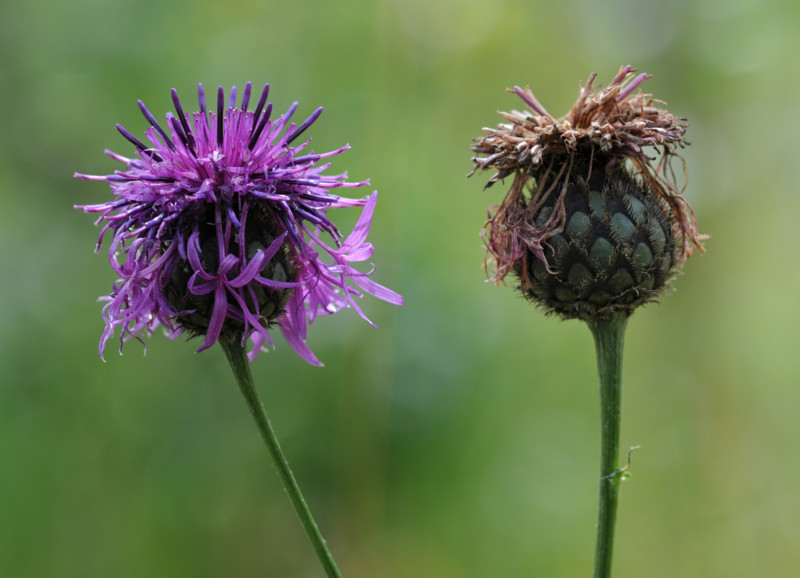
(591, 225)
(219, 225)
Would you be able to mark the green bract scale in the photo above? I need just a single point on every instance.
(615, 252)
(591, 225)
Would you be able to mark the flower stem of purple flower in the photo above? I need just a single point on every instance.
(221, 228)
(237, 357)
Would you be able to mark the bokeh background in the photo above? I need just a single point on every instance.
(460, 439)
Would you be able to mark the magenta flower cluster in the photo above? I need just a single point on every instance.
(217, 199)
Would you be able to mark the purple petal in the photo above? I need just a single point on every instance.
(379, 291)
(217, 318)
(361, 230)
(300, 347)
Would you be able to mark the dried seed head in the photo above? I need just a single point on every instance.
(589, 224)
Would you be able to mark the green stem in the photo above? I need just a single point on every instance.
(241, 369)
(609, 336)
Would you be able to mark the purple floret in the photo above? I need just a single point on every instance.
(199, 175)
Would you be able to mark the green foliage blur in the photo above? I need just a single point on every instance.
(460, 439)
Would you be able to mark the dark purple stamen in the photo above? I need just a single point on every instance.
(220, 115)
(289, 113)
(319, 197)
(232, 98)
(286, 217)
(201, 100)
(305, 159)
(308, 122)
(246, 96)
(300, 182)
(260, 106)
(173, 124)
(260, 127)
(184, 123)
(309, 215)
(154, 123)
(318, 219)
(138, 144)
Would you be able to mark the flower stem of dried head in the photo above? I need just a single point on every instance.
(609, 336)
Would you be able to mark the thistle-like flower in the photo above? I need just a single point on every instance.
(590, 225)
(219, 227)
(593, 227)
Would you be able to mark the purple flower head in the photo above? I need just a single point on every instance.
(220, 224)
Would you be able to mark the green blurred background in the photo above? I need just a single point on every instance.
(461, 439)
